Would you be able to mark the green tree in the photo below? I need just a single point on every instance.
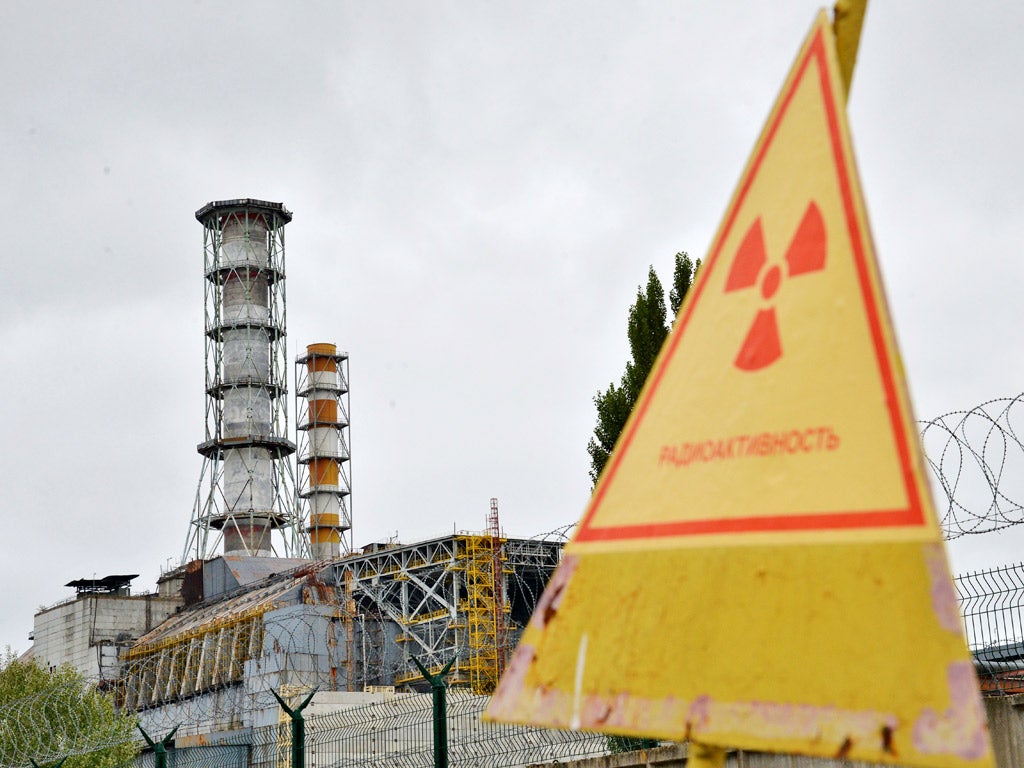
(613, 407)
(646, 329)
(684, 272)
(49, 714)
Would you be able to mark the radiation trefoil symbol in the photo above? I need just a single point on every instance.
(806, 253)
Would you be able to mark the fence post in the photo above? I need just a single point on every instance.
(438, 691)
(58, 764)
(298, 728)
(159, 747)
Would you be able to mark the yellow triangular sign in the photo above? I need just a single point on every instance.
(760, 565)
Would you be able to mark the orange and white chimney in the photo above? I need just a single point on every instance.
(322, 424)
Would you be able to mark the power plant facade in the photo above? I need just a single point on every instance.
(271, 594)
(351, 625)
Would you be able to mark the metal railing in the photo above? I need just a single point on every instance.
(393, 733)
(992, 606)
(398, 731)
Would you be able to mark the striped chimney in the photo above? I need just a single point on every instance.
(322, 423)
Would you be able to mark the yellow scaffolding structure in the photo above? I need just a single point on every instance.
(194, 660)
(485, 610)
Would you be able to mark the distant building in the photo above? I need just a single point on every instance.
(102, 621)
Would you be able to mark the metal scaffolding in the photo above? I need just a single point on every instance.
(465, 596)
(209, 657)
(246, 486)
(485, 611)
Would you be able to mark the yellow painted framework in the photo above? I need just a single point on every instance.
(479, 612)
(485, 618)
(193, 661)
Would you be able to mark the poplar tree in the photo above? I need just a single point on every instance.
(682, 278)
(646, 328)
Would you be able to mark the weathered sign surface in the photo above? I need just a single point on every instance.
(760, 565)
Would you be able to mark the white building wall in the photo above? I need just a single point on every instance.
(89, 629)
(206, 713)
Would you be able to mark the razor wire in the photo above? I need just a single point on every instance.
(71, 718)
(977, 459)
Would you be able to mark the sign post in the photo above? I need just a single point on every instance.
(761, 554)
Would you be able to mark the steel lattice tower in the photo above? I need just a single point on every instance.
(246, 487)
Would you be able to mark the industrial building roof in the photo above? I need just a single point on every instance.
(274, 590)
(106, 584)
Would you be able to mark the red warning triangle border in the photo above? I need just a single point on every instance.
(910, 515)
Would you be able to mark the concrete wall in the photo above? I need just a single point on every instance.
(86, 632)
(1006, 725)
(211, 712)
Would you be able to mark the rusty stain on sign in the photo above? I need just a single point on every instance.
(961, 728)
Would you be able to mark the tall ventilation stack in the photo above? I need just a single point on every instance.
(246, 488)
(321, 408)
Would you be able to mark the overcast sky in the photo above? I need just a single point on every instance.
(478, 189)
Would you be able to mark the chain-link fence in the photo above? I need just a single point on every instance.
(389, 734)
(396, 731)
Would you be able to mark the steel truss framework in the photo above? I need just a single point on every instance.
(246, 486)
(441, 598)
(348, 624)
(287, 631)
